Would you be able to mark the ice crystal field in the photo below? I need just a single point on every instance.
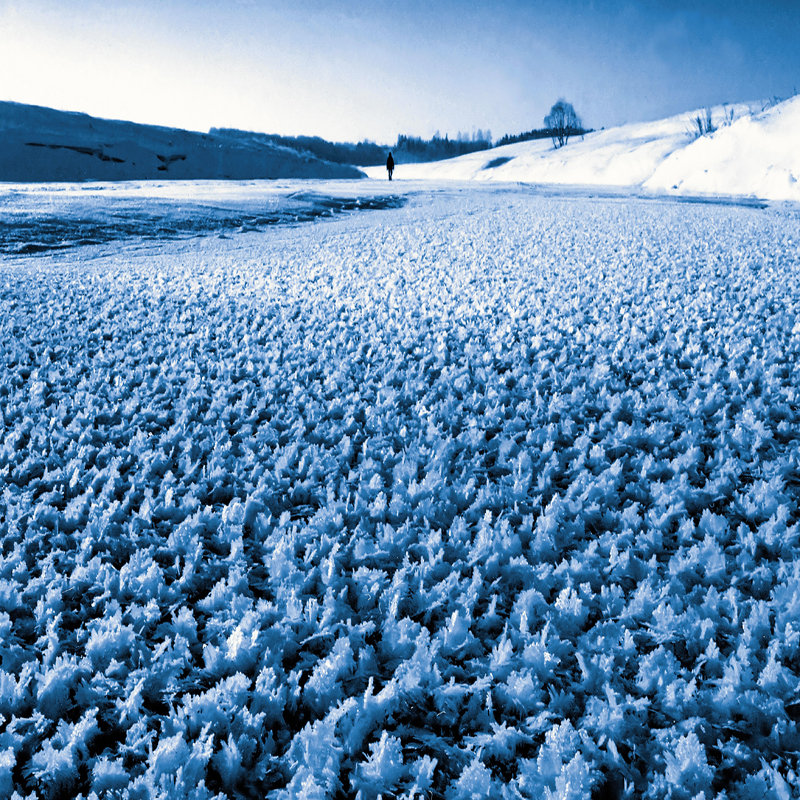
(491, 495)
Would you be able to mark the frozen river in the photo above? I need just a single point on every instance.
(488, 493)
(38, 218)
(41, 217)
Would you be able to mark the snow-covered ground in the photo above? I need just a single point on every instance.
(756, 155)
(491, 495)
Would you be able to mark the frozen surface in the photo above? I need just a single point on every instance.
(757, 155)
(39, 217)
(492, 495)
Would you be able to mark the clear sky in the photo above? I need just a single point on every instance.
(353, 69)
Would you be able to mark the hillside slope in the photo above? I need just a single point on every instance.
(42, 144)
(757, 155)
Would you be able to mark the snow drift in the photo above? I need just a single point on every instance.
(756, 155)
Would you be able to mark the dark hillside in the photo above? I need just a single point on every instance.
(42, 144)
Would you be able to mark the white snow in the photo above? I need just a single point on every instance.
(758, 155)
(491, 495)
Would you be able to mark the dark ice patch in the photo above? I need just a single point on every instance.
(745, 202)
(120, 218)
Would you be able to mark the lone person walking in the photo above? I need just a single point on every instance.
(390, 165)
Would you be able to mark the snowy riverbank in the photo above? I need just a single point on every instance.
(756, 155)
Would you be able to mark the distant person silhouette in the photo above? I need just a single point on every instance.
(390, 165)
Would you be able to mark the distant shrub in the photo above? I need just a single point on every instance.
(704, 124)
(728, 115)
(772, 102)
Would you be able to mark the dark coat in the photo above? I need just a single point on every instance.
(390, 163)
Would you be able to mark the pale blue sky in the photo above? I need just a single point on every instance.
(372, 69)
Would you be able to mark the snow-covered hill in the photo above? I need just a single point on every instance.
(42, 144)
(758, 154)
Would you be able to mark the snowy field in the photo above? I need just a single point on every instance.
(492, 495)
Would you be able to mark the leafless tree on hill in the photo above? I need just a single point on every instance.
(562, 122)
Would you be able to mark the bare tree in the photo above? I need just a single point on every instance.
(563, 122)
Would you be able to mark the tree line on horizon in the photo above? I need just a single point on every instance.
(559, 125)
(417, 149)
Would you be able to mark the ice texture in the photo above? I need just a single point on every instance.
(35, 218)
(493, 495)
